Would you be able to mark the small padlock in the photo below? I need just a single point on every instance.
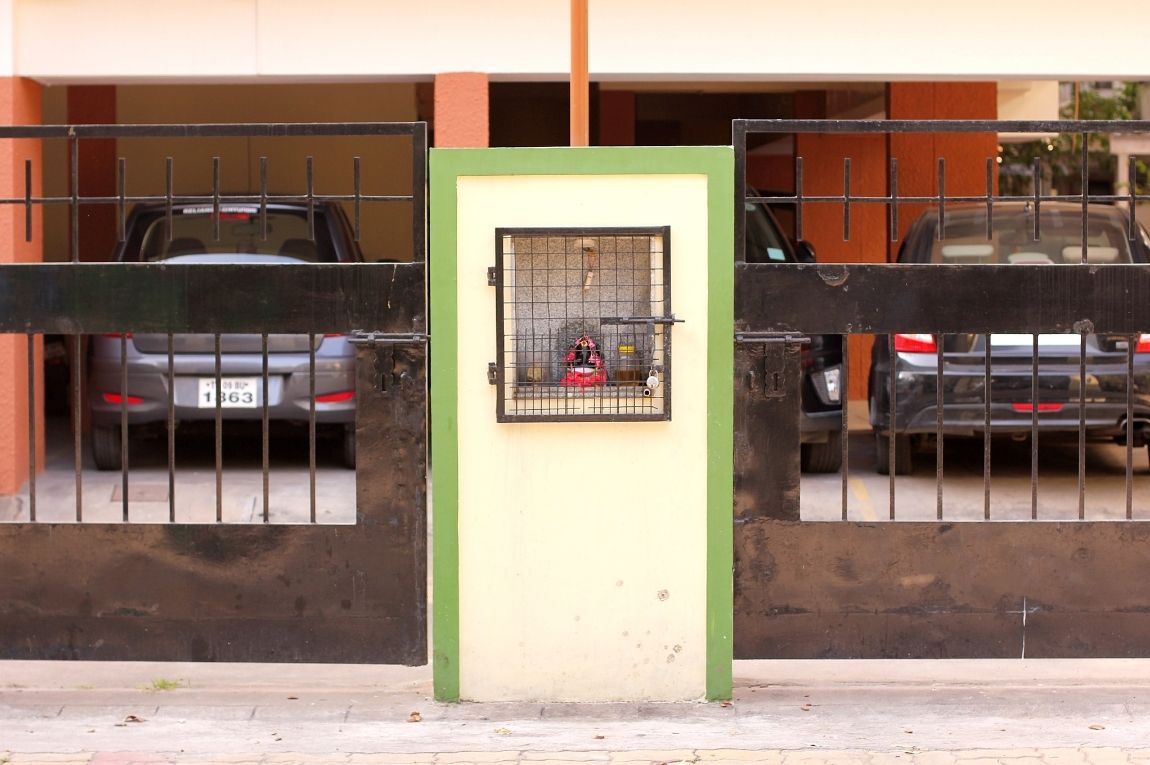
(652, 381)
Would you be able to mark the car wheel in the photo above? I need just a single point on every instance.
(903, 461)
(826, 457)
(349, 446)
(107, 441)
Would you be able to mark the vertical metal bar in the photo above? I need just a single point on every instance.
(310, 199)
(1085, 171)
(169, 187)
(28, 200)
(892, 454)
(941, 198)
(739, 141)
(990, 165)
(311, 421)
(419, 191)
(265, 443)
(121, 203)
(1132, 174)
(798, 197)
(219, 434)
(847, 199)
(77, 422)
(1036, 175)
(893, 199)
(171, 428)
(1130, 346)
(1082, 426)
(844, 393)
(986, 382)
(32, 444)
(124, 422)
(1034, 428)
(263, 199)
(216, 198)
(939, 387)
(74, 151)
(357, 180)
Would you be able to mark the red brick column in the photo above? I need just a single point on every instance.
(19, 105)
(461, 110)
(616, 118)
(95, 105)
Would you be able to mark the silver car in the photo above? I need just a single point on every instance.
(192, 240)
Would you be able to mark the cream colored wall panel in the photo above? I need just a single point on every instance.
(639, 39)
(582, 564)
(7, 39)
(109, 40)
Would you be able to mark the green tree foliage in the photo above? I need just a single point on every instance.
(1060, 157)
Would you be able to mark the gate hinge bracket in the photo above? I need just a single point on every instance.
(491, 276)
(376, 339)
(492, 373)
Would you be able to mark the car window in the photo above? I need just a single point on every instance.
(765, 242)
(192, 233)
(1012, 238)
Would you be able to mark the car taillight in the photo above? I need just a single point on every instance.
(116, 398)
(1028, 407)
(117, 334)
(335, 398)
(915, 343)
(1143, 344)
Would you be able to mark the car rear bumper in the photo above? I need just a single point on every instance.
(288, 389)
(1012, 400)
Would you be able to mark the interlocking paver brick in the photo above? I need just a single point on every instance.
(461, 757)
(934, 758)
(390, 758)
(1106, 756)
(1062, 756)
(583, 756)
(655, 755)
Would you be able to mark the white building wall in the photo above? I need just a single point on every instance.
(236, 40)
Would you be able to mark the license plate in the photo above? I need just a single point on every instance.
(235, 392)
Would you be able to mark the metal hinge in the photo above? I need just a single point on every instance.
(491, 276)
(375, 339)
(492, 373)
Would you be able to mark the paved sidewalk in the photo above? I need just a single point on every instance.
(874, 712)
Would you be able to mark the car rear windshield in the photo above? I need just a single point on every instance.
(1012, 238)
(241, 231)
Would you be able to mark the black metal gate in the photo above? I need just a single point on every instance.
(1025, 360)
(153, 584)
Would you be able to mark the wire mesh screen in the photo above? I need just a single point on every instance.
(583, 324)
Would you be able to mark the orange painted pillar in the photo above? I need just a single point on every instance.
(918, 154)
(20, 104)
(862, 238)
(461, 110)
(95, 105)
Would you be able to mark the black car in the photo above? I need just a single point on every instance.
(821, 418)
(1012, 406)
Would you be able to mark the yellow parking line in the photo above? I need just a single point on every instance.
(858, 488)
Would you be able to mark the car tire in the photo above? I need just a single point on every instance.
(903, 459)
(107, 441)
(348, 447)
(826, 457)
